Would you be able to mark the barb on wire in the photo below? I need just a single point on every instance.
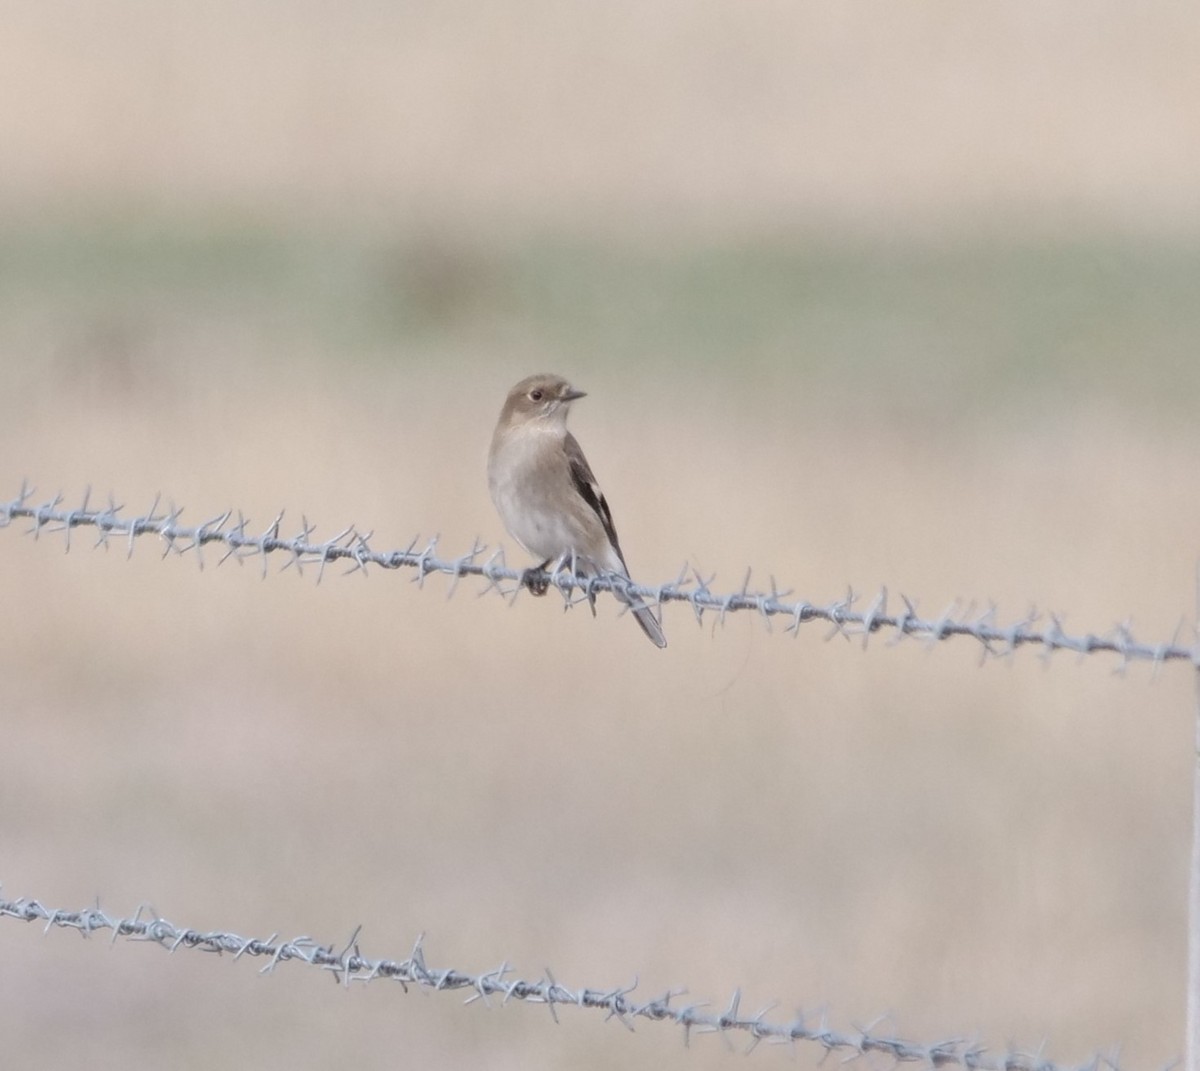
(349, 964)
(849, 616)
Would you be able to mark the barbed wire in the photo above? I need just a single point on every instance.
(348, 964)
(351, 965)
(353, 547)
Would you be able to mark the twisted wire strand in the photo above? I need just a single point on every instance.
(349, 964)
(353, 548)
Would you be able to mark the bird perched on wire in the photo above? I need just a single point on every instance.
(546, 494)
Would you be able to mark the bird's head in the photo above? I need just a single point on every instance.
(542, 397)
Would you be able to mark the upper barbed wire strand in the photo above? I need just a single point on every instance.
(353, 547)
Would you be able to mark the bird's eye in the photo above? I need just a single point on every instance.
(535, 395)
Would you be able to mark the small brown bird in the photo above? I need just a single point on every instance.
(545, 492)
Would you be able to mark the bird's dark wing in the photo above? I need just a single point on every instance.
(589, 491)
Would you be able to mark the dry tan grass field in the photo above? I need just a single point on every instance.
(260, 260)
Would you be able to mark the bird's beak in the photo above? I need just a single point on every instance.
(570, 394)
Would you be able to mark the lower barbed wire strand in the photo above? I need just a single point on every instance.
(351, 965)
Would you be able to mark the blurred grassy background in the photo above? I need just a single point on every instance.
(872, 297)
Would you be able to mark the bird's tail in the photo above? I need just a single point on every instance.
(650, 626)
(645, 616)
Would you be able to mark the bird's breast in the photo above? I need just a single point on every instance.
(522, 478)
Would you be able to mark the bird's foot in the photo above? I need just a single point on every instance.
(535, 579)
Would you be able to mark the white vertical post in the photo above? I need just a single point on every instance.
(1193, 907)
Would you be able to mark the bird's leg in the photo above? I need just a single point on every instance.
(536, 585)
(589, 588)
(591, 597)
